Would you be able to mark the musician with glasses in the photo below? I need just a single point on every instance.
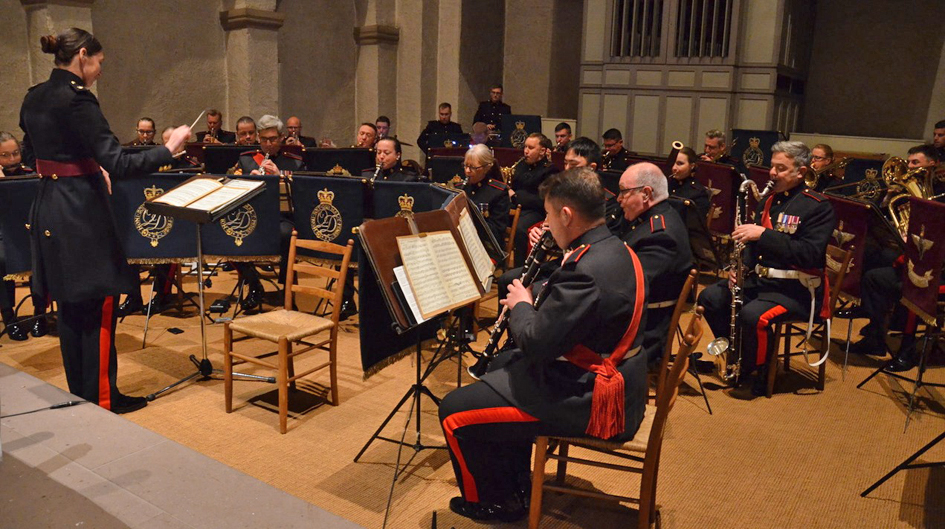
(615, 156)
(784, 256)
(145, 133)
(485, 189)
(821, 156)
(576, 368)
(660, 239)
(715, 148)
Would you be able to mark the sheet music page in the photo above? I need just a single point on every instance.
(459, 283)
(190, 192)
(401, 276)
(477, 251)
(232, 191)
(423, 277)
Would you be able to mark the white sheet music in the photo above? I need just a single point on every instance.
(401, 276)
(477, 251)
(437, 272)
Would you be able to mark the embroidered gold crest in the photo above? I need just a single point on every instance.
(406, 206)
(519, 135)
(869, 187)
(753, 155)
(149, 225)
(239, 223)
(326, 219)
(455, 182)
(338, 170)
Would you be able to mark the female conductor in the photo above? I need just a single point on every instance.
(77, 258)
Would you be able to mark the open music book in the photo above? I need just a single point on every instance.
(209, 194)
(437, 273)
(477, 251)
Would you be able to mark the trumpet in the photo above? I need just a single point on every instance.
(532, 264)
(720, 154)
(727, 351)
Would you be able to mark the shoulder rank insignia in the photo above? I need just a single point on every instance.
(77, 86)
(498, 185)
(291, 155)
(815, 195)
(249, 153)
(575, 255)
(657, 223)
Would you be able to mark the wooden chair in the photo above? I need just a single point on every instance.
(287, 326)
(675, 333)
(643, 449)
(786, 330)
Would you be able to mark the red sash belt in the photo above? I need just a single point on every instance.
(607, 404)
(85, 166)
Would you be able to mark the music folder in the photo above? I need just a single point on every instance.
(440, 271)
(205, 198)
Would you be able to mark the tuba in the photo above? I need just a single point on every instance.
(727, 351)
(912, 183)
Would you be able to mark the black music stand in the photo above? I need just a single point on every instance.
(907, 464)
(204, 368)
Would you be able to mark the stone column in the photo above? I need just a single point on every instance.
(377, 37)
(252, 58)
(50, 17)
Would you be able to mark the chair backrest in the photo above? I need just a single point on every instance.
(510, 235)
(326, 271)
(674, 327)
(838, 263)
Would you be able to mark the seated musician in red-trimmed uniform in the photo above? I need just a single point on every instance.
(268, 159)
(576, 344)
(77, 258)
(785, 255)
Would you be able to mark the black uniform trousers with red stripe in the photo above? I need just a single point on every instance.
(756, 318)
(483, 428)
(87, 341)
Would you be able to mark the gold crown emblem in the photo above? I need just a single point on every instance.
(325, 196)
(872, 174)
(406, 202)
(150, 193)
(520, 125)
(338, 170)
(754, 142)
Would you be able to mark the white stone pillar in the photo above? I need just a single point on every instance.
(51, 17)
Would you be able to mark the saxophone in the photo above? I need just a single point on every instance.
(728, 350)
(532, 264)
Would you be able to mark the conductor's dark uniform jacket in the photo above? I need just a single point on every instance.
(76, 250)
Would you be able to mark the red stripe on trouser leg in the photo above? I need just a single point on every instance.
(910, 325)
(104, 348)
(763, 321)
(471, 418)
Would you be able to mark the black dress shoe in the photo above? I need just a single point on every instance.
(17, 332)
(868, 346)
(900, 364)
(253, 298)
(759, 387)
(129, 307)
(348, 309)
(40, 327)
(484, 512)
(127, 404)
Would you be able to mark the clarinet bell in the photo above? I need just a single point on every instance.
(479, 368)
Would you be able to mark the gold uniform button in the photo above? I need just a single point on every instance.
(54, 177)
(47, 233)
(27, 226)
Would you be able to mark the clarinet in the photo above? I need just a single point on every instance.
(377, 171)
(532, 264)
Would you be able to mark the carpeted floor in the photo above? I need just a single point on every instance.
(798, 460)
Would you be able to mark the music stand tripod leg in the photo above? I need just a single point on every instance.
(906, 464)
(204, 367)
(147, 316)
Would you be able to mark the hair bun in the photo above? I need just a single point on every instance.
(49, 43)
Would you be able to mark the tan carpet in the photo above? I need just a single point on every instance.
(799, 459)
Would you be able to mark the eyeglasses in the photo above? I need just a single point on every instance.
(473, 167)
(818, 158)
(145, 132)
(628, 191)
(268, 139)
(9, 154)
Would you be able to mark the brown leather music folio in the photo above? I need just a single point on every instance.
(379, 242)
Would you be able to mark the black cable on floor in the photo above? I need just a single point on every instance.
(65, 404)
